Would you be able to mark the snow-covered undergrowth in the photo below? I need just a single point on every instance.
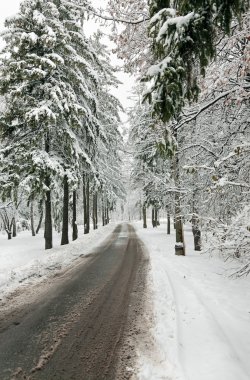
(232, 242)
(23, 259)
(202, 316)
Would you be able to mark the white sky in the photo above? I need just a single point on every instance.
(10, 7)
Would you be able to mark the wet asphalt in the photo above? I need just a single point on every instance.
(77, 330)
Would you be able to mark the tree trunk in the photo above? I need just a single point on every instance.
(196, 232)
(107, 210)
(168, 225)
(103, 212)
(86, 204)
(87, 208)
(48, 213)
(74, 225)
(14, 227)
(95, 216)
(65, 219)
(179, 245)
(195, 219)
(157, 220)
(41, 217)
(96, 210)
(153, 217)
(33, 232)
(144, 212)
(93, 212)
(48, 217)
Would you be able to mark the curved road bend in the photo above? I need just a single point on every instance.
(77, 331)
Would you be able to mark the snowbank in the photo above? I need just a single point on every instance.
(202, 317)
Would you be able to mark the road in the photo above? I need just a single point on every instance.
(77, 329)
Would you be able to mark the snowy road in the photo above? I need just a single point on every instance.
(77, 329)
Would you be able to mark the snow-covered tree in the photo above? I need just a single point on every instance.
(110, 143)
(184, 38)
(47, 82)
(151, 144)
(214, 145)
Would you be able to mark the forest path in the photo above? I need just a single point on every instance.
(77, 329)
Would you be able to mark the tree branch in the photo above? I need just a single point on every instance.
(120, 20)
(209, 104)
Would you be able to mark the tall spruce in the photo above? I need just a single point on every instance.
(183, 42)
(50, 109)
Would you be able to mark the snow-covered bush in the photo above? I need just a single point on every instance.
(232, 241)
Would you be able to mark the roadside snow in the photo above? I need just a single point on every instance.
(23, 259)
(202, 317)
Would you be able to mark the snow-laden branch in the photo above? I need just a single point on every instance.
(195, 167)
(200, 146)
(109, 17)
(3, 207)
(119, 20)
(209, 104)
(238, 149)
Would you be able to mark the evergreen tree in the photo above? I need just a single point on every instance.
(47, 83)
(183, 43)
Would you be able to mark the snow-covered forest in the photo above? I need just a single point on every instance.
(62, 153)
(189, 129)
(75, 160)
(60, 142)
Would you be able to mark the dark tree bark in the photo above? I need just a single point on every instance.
(168, 223)
(65, 219)
(107, 215)
(179, 245)
(93, 211)
(41, 216)
(14, 232)
(86, 204)
(196, 232)
(153, 217)
(74, 225)
(195, 218)
(48, 217)
(33, 232)
(48, 214)
(95, 216)
(103, 213)
(87, 208)
(144, 212)
(96, 210)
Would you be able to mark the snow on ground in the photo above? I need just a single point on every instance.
(202, 317)
(23, 259)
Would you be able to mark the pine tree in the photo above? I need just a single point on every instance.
(50, 110)
(183, 43)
